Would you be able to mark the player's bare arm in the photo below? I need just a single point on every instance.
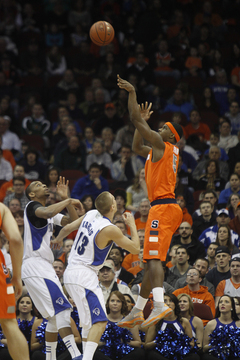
(66, 230)
(138, 145)
(144, 129)
(54, 209)
(10, 229)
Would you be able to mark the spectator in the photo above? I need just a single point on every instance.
(67, 245)
(116, 254)
(131, 261)
(209, 235)
(234, 224)
(121, 199)
(108, 71)
(70, 131)
(234, 188)
(208, 102)
(111, 146)
(226, 140)
(221, 271)
(10, 140)
(137, 191)
(144, 208)
(93, 183)
(32, 61)
(73, 157)
(205, 220)
(59, 268)
(211, 196)
(8, 155)
(73, 109)
(188, 154)
(197, 292)
(214, 140)
(54, 37)
(109, 119)
(214, 154)
(163, 60)
(6, 172)
(211, 180)
(182, 203)
(179, 105)
(88, 139)
(220, 87)
(34, 169)
(224, 238)
(55, 61)
(183, 190)
(182, 266)
(100, 157)
(230, 286)
(64, 86)
(186, 239)
(234, 155)
(234, 116)
(232, 203)
(18, 216)
(14, 205)
(125, 134)
(18, 192)
(231, 96)
(197, 127)
(6, 188)
(211, 255)
(172, 256)
(127, 166)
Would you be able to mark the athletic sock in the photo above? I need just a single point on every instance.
(71, 345)
(141, 302)
(89, 350)
(158, 294)
(51, 350)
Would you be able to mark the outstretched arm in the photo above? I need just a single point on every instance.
(135, 116)
(138, 144)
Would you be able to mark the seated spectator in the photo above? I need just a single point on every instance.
(107, 280)
(93, 183)
(144, 208)
(234, 188)
(85, 64)
(88, 139)
(127, 166)
(108, 71)
(32, 61)
(208, 195)
(34, 169)
(14, 205)
(59, 268)
(73, 109)
(205, 220)
(86, 105)
(111, 146)
(211, 180)
(209, 235)
(186, 239)
(208, 102)
(214, 154)
(67, 245)
(224, 238)
(179, 104)
(125, 134)
(163, 60)
(18, 216)
(55, 61)
(234, 155)
(6, 188)
(54, 37)
(220, 87)
(234, 117)
(213, 141)
(6, 172)
(182, 266)
(100, 157)
(136, 192)
(69, 131)
(183, 190)
(184, 174)
(232, 203)
(234, 224)
(188, 154)
(211, 255)
(236, 171)
(131, 261)
(18, 192)
(109, 119)
(231, 286)
(121, 198)
(116, 254)
(196, 127)
(10, 140)
(52, 179)
(182, 203)
(231, 96)
(226, 140)
(36, 124)
(197, 292)
(8, 155)
(88, 202)
(221, 271)
(73, 157)
(172, 256)
(68, 83)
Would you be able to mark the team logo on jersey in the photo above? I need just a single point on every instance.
(60, 301)
(96, 311)
(5, 270)
(154, 224)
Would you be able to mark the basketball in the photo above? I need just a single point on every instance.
(101, 33)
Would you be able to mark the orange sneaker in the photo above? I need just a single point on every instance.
(135, 317)
(158, 312)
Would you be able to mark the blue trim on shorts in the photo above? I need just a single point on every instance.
(96, 310)
(163, 201)
(59, 301)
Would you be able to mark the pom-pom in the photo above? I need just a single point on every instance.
(26, 328)
(224, 342)
(1, 337)
(172, 344)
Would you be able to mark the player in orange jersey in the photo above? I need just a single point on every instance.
(17, 344)
(165, 214)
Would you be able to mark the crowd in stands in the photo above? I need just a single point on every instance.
(62, 114)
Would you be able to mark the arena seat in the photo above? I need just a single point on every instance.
(203, 311)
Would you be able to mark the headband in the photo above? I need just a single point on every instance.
(173, 130)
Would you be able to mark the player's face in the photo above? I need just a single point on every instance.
(25, 305)
(115, 304)
(184, 303)
(165, 132)
(40, 190)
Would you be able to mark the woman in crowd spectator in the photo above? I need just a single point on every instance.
(88, 202)
(237, 305)
(18, 215)
(130, 302)
(221, 335)
(208, 102)
(170, 338)
(137, 191)
(52, 179)
(186, 307)
(211, 180)
(224, 238)
(236, 171)
(232, 205)
(56, 62)
(118, 342)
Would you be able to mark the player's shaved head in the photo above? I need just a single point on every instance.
(103, 202)
(29, 189)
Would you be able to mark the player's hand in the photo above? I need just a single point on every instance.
(77, 203)
(124, 84)
(56, 244)
(17, 284)
(62, 188)
(128, 219)
(145, 111)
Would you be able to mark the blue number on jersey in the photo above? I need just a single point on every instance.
(81, 248)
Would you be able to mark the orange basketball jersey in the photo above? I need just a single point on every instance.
(161, 175)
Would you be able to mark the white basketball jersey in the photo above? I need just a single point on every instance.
(84, 250)
(37, 240)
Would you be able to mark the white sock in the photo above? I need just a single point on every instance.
(51, 350)
(71, 346)
(84, 343)
(158, 294)
(141, 302)
(89, 350)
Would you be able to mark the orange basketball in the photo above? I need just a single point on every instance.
(101, 33)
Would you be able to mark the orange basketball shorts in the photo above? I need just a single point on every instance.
(163, 221)
(7, 297)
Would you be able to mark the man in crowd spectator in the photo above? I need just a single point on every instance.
(18, 192)
(221, 271)
(14, 205)
(6, 188)
(8, 155)
(116, 254)
(144, 208)
(234, 224)
(34, 168)
(10, 140)
(182, 266)
(109, 119)
(211, 255)
(234, 155)
(196, 127)
(73, 157)
(93, 183)
(6, 172)
(67, 245)
(179, 104)
(205, 220)
(208, 195)
(59, 268)
(226, 140)
(234, 116)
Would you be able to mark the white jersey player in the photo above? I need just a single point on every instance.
(38, 273)
(93, 241)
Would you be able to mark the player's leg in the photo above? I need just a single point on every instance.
(93, 339)
(17, 343)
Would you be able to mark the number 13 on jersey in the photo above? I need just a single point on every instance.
(80, 248)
